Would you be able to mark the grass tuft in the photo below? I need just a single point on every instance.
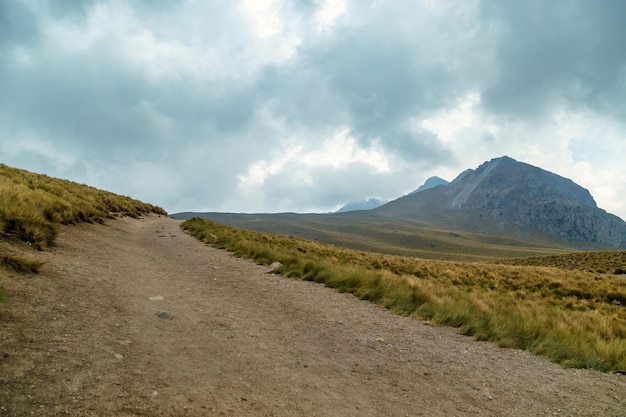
(19, 264)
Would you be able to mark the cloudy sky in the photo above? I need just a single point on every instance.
(303, 105)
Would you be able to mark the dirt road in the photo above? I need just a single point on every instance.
(84, 338)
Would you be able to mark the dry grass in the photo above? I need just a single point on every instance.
(20, 264)
(372, 233)
(576, 318)
(32, 206)
(604, 262)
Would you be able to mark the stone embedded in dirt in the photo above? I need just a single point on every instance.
(164, 315)
(364, 342)
(275, 265)
(156, 298)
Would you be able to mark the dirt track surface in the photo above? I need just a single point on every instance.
(83, 338)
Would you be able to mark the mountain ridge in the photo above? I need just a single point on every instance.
(431, 182)
(512, 203)
(370, 203)
(517, 196)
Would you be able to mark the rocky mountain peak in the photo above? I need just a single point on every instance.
(368, 204)
(509, 195)
(431, 182)
(503, 181)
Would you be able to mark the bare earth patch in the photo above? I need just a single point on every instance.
(135, 318)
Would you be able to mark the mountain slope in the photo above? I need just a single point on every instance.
(373, 203)
(361, 205)
(507, 196)
(32, 206)
(502, 209)
(432, 182)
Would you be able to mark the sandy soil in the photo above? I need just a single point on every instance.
(84, 338)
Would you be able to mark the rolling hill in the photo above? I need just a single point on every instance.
(33, 206)
(504, 208)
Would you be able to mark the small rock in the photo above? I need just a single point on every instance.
(119, 356)
(157, 298)
(164, 315)
(275, 265)
(363, 342)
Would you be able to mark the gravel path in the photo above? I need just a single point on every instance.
(135, 318)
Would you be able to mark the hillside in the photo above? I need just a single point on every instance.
(502, 209)
(121, 318)
(365, 230)
(506, 197)
(33, 206)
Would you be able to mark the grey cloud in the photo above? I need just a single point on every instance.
(420, 145)
(97, 106)
(75, 10)
(79, 10)
(553, 52)
(72, 102)
(300, 96)
(328, 187)
(18, 25)
(373, 79)
(384, 66)
(381, 77)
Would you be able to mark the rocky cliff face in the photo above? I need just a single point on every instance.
(521, 194)
(513, 196)
(504, 181)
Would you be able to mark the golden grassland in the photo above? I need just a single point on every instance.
(563, 306)
(604, 262)
(33, 206)
(366, 231)
(574, 317)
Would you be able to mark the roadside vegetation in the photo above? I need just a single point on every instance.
(574, 317)
(3, 294)
(20, 264)
(33, 206)
(394, 236)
